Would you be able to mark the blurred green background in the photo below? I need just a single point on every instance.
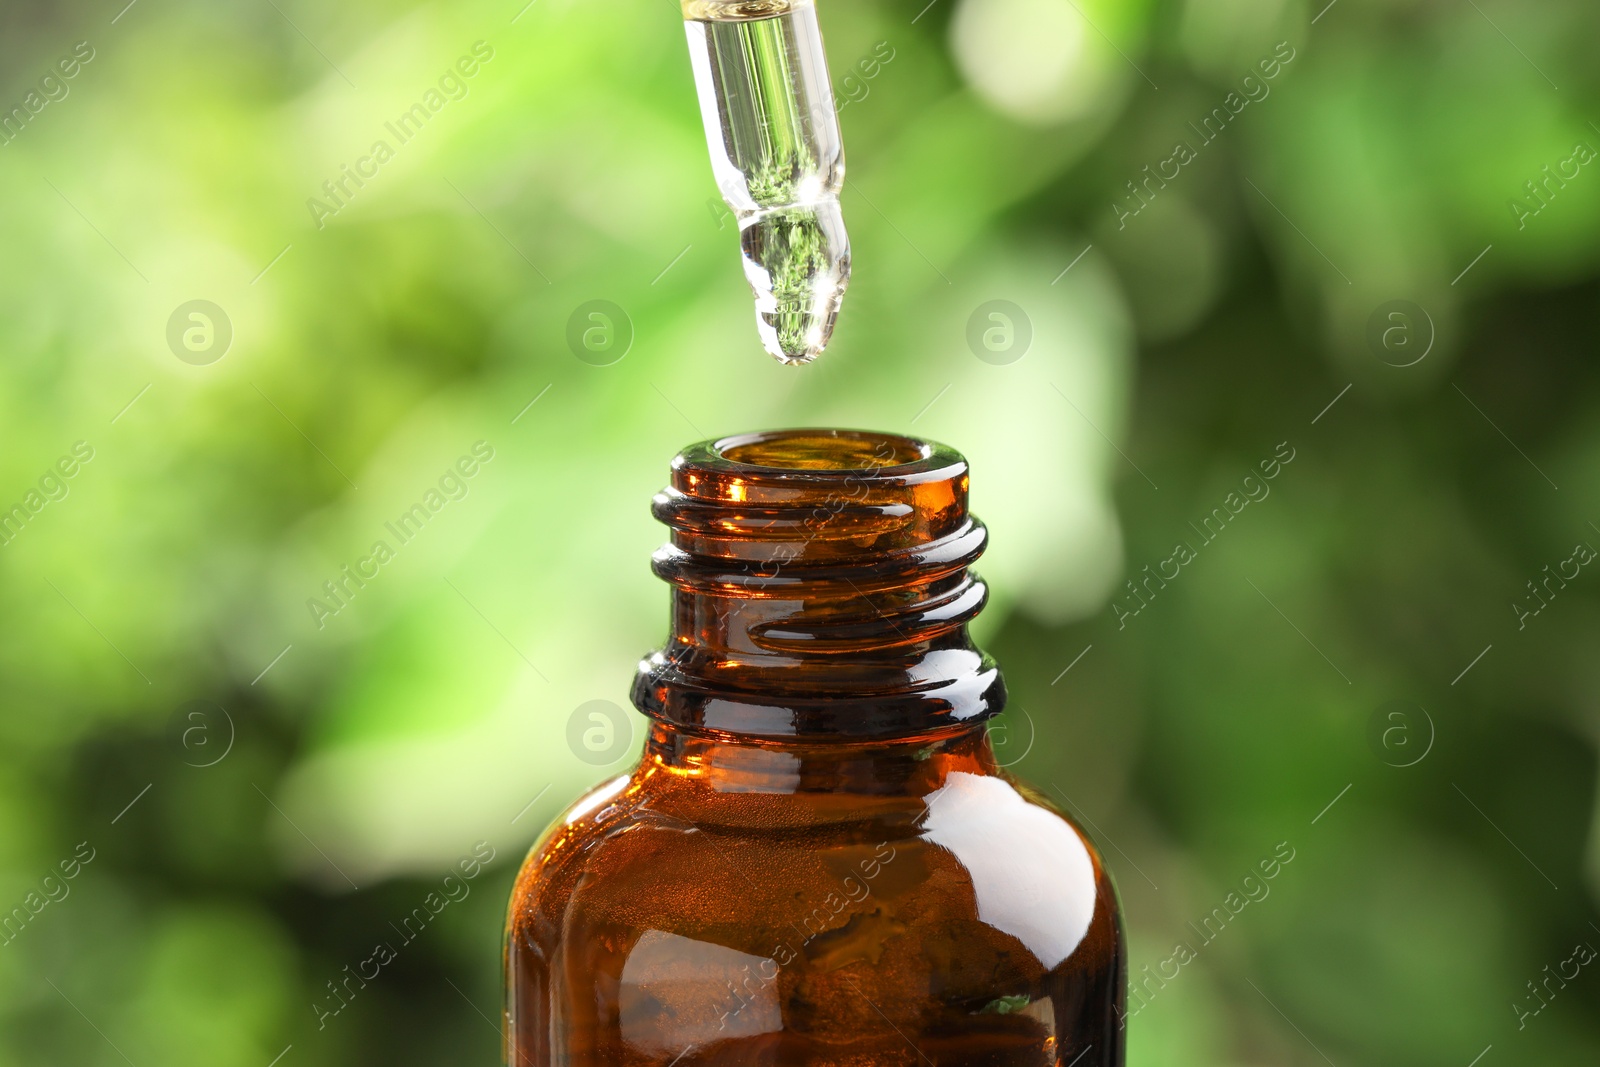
(1356, 666)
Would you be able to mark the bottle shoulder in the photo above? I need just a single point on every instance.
(983, 816)
(981, 858)
(576, 829)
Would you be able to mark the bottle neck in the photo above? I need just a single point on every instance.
(907, 767)
(821, 591)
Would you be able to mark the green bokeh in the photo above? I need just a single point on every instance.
(349, 759)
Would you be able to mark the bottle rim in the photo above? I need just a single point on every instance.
(819, 456)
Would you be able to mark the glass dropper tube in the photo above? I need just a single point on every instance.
(778, 158)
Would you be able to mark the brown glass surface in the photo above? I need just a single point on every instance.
(816, 861)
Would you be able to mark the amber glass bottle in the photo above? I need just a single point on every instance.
(817, 861)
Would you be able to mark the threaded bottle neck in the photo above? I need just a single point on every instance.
(820, 589)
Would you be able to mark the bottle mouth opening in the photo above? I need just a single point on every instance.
(771, 501)
(823, 452)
